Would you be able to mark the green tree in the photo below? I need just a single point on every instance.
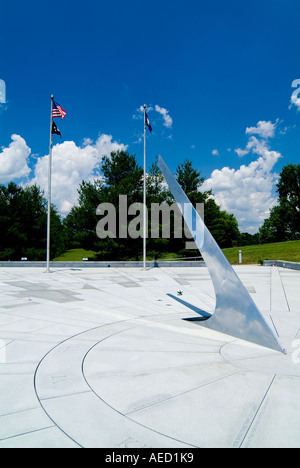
(277, 228)
(122, 176)
(283, 223)
(157, 191)
(223, 226)
(23, 222)
(248, 239)
(188, 177)
(288, 189)
(80, 223)
(226, 230)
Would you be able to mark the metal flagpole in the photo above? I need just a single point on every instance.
(49, 189)
(144, 200)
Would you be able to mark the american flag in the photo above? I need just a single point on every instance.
(58, 111)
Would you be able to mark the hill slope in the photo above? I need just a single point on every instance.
(288, 251)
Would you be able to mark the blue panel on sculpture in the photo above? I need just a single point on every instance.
(236, 314)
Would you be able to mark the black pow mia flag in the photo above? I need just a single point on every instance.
(55, 130)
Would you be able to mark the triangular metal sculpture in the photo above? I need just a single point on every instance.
(236, 314)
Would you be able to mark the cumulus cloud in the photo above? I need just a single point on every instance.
(140, 112)
(168, 121)
(264, 130)
(70, 165)
(164, 113)
(251, 145)
(248, 192)
(215, 152)
(14, 160)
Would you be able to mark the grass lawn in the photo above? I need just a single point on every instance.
(75, 255)
(288, 251)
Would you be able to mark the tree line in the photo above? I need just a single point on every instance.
(23, 214)
(284, 221)
(23, 224)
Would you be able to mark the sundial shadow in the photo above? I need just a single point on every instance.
(203, 315)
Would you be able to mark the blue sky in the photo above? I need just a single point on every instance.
(216, 77)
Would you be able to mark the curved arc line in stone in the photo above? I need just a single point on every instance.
(236, 313)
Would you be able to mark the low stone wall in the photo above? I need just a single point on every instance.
(282, 264)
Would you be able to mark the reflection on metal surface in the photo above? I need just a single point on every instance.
(236, 313)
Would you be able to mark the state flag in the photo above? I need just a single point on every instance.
(148, 122)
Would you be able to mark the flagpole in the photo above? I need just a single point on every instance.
(144, 199)
(49, 189)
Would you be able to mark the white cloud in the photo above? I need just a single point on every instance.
(247, 192)
(164, 113)
(148, 109)
(168, 122)
(14, 160)
(87, 141)
(241, 153)
(215, 152)
(252, 143)
(70, 165)
(263, 129)
(140, 112)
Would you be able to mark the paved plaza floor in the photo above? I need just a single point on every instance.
(106, 358)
